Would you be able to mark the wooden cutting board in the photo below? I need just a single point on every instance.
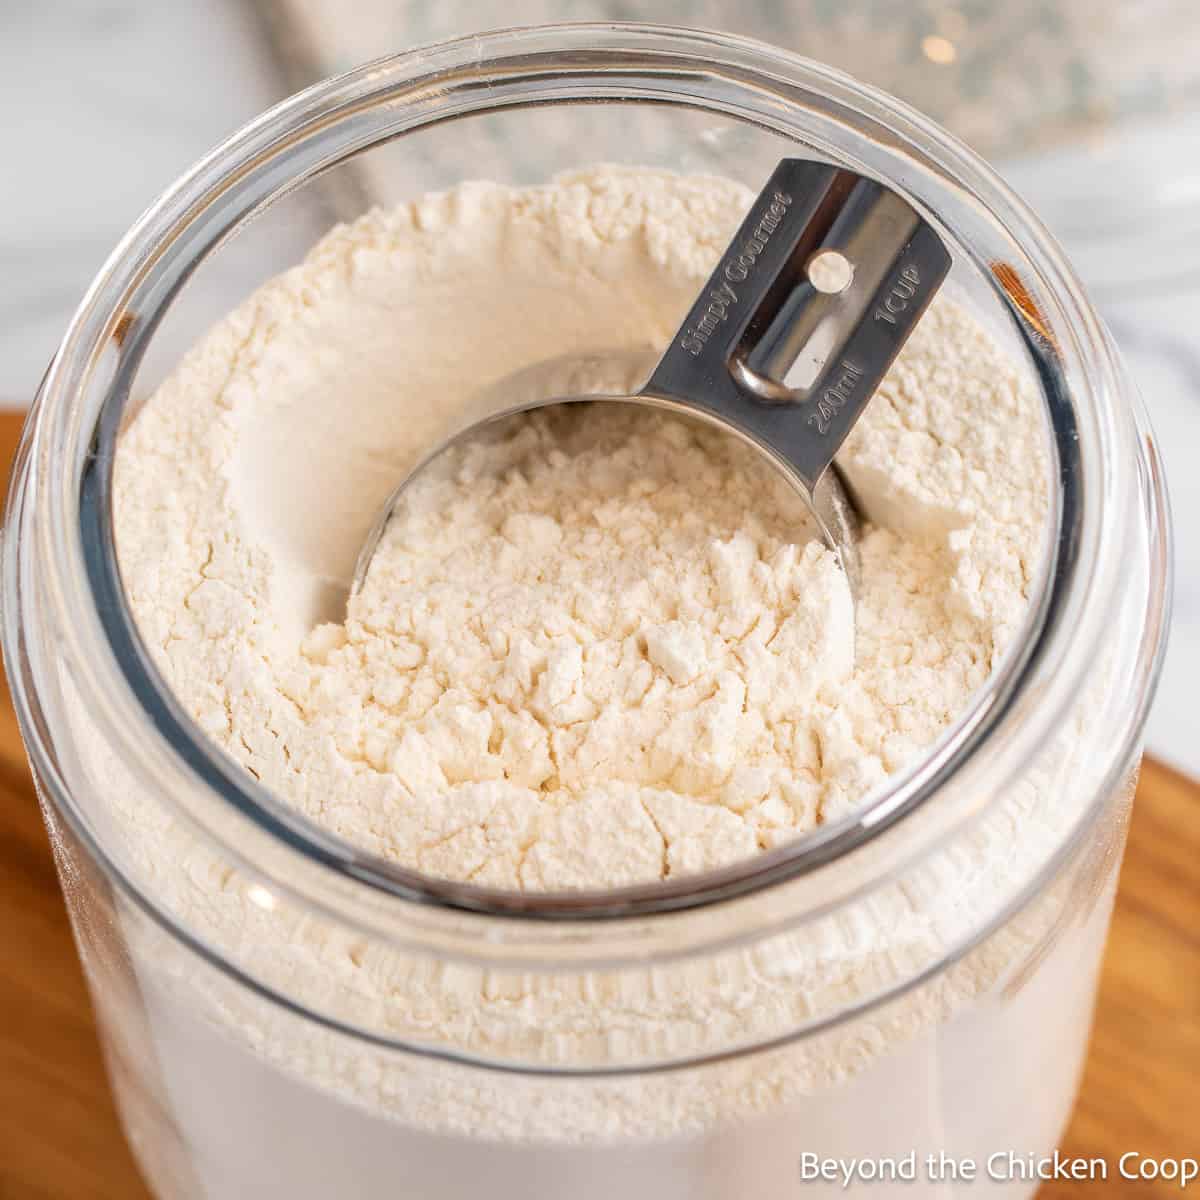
(59, 1137)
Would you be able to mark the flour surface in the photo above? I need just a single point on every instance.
(604, 650)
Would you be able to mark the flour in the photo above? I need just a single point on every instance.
(605, 650)
(597, 674)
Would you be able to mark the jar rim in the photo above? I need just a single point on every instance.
(542, 65)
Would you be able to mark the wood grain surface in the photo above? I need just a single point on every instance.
(60, 1140)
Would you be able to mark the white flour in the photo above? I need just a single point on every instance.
(607, 652)
(604, 652)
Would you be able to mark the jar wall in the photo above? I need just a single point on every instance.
(110, 937)
(224, 1092)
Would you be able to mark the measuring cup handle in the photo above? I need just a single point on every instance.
(760, 312)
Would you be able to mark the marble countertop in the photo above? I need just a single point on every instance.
(103, 126)
(115, 97)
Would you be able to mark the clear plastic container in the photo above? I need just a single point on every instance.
(283, 1013)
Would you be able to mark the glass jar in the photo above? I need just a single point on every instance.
(285, 1015)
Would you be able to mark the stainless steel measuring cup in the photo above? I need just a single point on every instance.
(789, 338)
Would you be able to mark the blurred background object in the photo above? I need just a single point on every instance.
(1093, 105)
(1091, 108)
(1007, 76)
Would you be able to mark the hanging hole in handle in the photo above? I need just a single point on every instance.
(830, 272)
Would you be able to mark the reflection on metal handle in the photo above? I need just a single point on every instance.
(760, 317)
